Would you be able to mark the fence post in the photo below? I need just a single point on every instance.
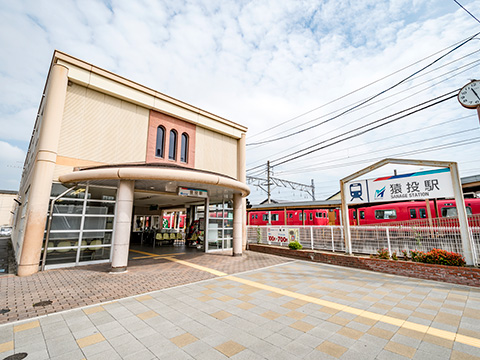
(333, 240)
(311, 236)
(388, 243)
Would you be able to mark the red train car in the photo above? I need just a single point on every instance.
(289, 217)
(383, 213)
(404, 211)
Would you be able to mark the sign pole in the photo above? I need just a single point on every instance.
(467, 241)
(346, 223)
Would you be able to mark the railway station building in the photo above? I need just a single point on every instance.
(109, 158)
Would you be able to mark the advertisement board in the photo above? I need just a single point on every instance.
(414, 186)
(283, 235)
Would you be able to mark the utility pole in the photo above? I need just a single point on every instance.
(268, 182)
(313, 191)
(260, 183)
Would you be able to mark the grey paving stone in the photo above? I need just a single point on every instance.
(264, 349)
(71, 355)
(6, 333)
(425, 355)
(37, 353)
(297, 349)
(211, 354)
(62, 345)
(104, 355)
(144, 354)
(54, 330)
(433, 349)
(387, 355)
(196, 348)
(278, 339)
(98, 348)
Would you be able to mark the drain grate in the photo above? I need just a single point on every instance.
(18, 356)
(43, 303)
(4, 311)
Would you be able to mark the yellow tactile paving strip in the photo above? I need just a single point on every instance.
(154, 256)
(26, 326)
(403, 324)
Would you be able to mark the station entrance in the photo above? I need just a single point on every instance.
(165, 223)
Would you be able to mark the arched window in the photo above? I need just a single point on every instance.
(172, 147)
(160, 147)
(184, 148)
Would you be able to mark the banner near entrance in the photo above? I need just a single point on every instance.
(414, 186)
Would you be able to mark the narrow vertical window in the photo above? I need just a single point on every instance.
(184, 148)
(159, 150)
(172, 148)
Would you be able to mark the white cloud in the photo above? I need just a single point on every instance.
(257, 63)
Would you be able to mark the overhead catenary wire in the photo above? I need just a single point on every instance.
(315, 166)
(475, 63)
(323, 165)
(469, 13)
(455, 144)
(362, 87)
(384, 98)
(309, 150)
(372, 97)
(380, 140)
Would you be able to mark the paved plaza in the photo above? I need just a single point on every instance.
(254, 307)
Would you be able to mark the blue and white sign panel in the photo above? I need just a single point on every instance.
(414, 186)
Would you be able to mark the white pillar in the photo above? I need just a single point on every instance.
(242, 176)
(467, 241)
(41, 181)
(123, 221)
(237, 224)
(345, 221)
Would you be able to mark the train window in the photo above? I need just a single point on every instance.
(354, 214)
(318, 214)
(423, 213)
(452, 211)
(265, 217)
(311, 216)
(300, 216)
(362, 214)
(385, 214)
(290, 215)
(274, 217)
(413, 214)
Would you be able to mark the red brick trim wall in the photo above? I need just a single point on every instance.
(169, 123)
(451, 274)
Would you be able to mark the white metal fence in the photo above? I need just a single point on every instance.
(369, 239)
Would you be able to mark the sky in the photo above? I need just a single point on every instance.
(277, 67)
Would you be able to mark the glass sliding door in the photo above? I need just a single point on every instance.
(82, 226)
(220, 226)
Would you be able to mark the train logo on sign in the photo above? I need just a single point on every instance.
(356, 191)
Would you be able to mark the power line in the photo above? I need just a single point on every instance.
(309, 167)
(391, 137)
(469, 13)
(390, 96)
(367, 130)
(361, 88)
(370, 98)
(475, 63)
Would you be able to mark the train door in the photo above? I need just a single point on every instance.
(332, 217)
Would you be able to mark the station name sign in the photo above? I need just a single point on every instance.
(414, 186)
(192, 192)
